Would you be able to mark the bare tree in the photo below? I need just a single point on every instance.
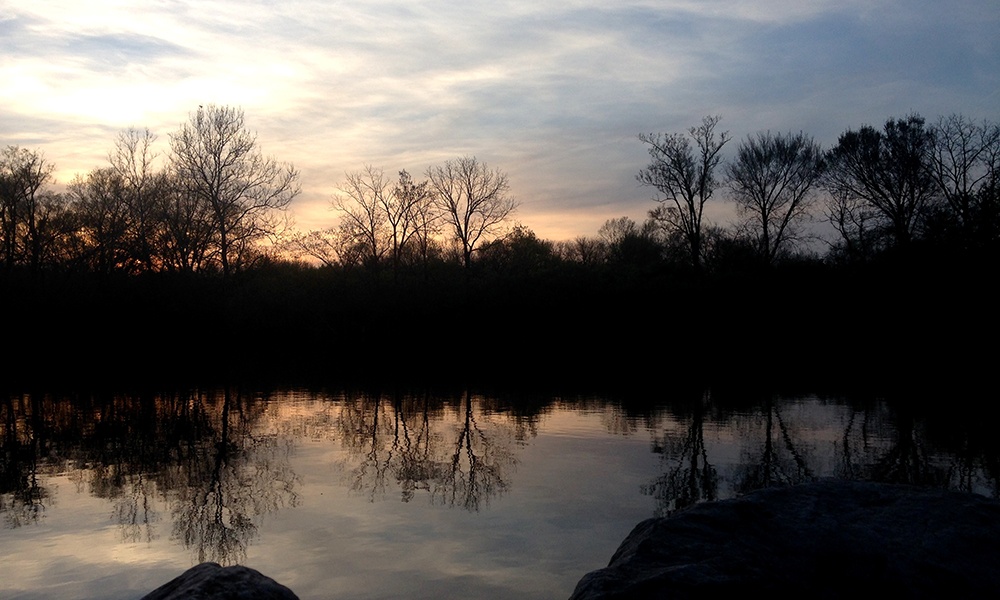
(23, 173)
(583, 249)
(100, 205)
(385, 218)
(186, 231)
(614, 231)
(474, 199)
(625, 241)
(412, 217)
(684, 178)
(55, 230)
(323, 245)
(217, 161)
(772, 178)
(888, 170)
(121, 208)
(425, 216)
(362, 204)
(144, 190)
(965, 162)
(858, 225)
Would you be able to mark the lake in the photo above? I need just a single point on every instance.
(373, 494)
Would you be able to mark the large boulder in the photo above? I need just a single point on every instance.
(210, 581)
(829, 539)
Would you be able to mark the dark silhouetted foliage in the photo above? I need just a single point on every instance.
(123, 278)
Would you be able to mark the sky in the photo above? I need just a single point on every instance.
(552, 92)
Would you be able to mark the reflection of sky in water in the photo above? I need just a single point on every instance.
(577, 478)
(76, 551)
(573, 494)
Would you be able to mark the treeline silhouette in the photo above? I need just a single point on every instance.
(186, 273)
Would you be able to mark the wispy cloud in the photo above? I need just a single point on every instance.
(552, 92)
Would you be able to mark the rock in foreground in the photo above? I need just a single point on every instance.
(209, 581)
(830, 539)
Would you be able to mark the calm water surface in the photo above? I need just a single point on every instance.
(361, 495)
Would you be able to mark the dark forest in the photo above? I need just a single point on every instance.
(188, 273)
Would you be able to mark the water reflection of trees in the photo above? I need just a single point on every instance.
(22, 498)
(234, 474)
(208, 459)
(479, 464)
(203, 467)
(688, 477)
(891, 446)
(784, 441)
(976, 466)
(773, 454)
(456, 450)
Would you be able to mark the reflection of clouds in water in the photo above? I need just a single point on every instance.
(562, 496)
(77, 551)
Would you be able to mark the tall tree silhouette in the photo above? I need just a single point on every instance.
(684, 178)
(888, 170)
(772, 179)
(23, 207)
(474, 199)
(966, 167)
(217, 161)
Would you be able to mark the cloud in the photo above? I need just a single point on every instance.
(552, 92)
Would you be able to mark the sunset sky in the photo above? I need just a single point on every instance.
(552, 92)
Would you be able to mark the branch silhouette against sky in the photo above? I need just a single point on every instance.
(552, 92)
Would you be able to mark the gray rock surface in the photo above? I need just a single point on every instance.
(210, 581)
(829, 539)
